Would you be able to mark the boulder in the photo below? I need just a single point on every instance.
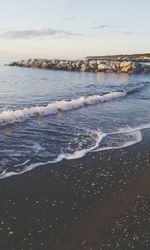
(13, 64)
(93, 65)
(25, 63)
(44, 65)
(103, 67)
(126, 67)
(92, 62)
(55, 61)
(69, 67)
(57, 66)
(84, 67)
(63, 65)
(73, 66)
(99, 61)
(36, 64)
(115, 66)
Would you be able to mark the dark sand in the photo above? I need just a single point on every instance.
(74, 204)
(130, 229)
(95, 230)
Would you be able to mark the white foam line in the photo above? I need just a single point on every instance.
(22, 164)
(126, 144)
(130, 130)
(5, 174)
(19, 115)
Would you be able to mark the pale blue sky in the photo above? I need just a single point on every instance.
(74, 28)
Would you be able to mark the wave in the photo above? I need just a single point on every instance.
(124, 137)
(20, 115)
(13, 116)
(137, 88)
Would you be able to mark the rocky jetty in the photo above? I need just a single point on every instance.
(92, 65)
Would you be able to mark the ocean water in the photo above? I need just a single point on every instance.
(48, 116)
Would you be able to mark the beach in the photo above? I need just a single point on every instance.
(70, 204)
(74, 154)
(74, 125)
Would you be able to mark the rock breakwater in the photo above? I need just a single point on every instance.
(84, 65)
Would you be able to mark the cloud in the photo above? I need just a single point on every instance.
(129, 33)
(103, 26)
(69, 18)
(71, 3)
(35, 33)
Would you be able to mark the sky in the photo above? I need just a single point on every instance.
(74, 28)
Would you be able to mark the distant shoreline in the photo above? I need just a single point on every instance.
(124, 57)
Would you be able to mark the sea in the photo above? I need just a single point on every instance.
(49, 116)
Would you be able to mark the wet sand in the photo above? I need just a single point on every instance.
(69, 205)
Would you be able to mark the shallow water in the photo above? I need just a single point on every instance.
(47, 116)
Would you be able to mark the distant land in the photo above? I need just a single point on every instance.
(131, 57)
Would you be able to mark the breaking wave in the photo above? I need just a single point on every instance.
(19, 115)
